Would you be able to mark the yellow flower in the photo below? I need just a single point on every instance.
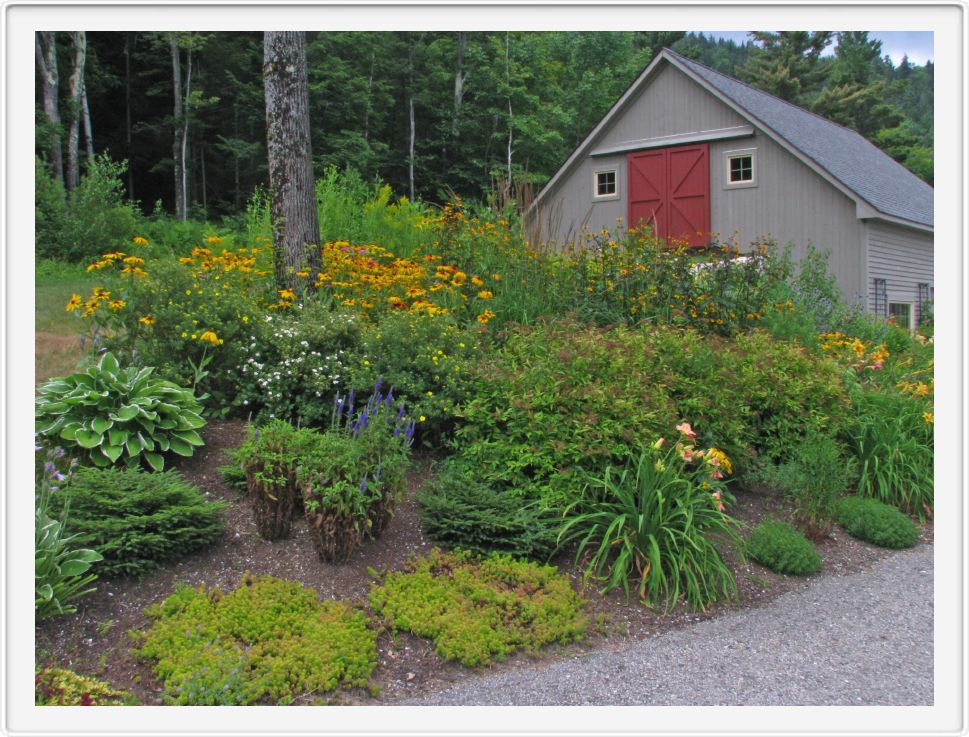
(287, 294)
(213, 240)
(74, 303)
(146, 320)
(929, 418)
(486, 294)
(477, 281)
(139, 241)
(422, 418)
(302, 274)
(134, 260)
(116, 304)
(485, 317)
(496, 277)
(459, 278)
(211, 337)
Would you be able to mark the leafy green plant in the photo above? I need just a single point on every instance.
(877, 523)
(353, 475)
(480, 610)
(813, 479)
(782, 548)
(657, 522)
(459, 511)
(108, 414)
(268, 640)
(55, 686)
(60, 566)
(138, 520)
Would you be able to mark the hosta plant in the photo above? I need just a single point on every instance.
(110, 414)
(658, 524)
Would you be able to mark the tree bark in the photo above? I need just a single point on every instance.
(86, 117)
(45, 52)
(178, 143)
(511, 116)
(188, 91)
(127, 114)
(410, 115)
(295, 221)
(76, 85)
(459, 79)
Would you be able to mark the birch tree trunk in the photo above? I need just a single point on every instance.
(459, 79)
(127, 114)
(76, 85)
(178, 142)
(511, 116)
(410, 116)
(296, 227)
(86, 118)
(45, 52)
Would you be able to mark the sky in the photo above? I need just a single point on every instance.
(917, 44)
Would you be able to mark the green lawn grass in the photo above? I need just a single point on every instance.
(57, 347)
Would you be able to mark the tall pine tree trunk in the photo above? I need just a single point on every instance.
(45, 52)
(296, 227)
(79, 39)
(178, 142)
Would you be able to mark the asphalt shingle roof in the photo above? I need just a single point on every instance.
(848, 156)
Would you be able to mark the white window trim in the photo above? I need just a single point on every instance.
(911, 311)
(727, 156)
(596, 197)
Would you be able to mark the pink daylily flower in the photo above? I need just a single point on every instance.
(686, 430)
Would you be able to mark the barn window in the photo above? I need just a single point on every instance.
(741, 168)
(605, 184)
(903, 314)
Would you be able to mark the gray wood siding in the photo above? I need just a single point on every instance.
(791, 204)
(903, 257)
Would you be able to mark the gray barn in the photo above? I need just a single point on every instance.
(693, 152)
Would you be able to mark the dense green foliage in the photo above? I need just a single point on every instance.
(782, 548)
(62, 687)
(108, 414)
(657, 523)
(877, 523)
(138, 520)
(478, 611)
(813, 479)
(268, 640)
(459, 511)
(474, 94)
(61, 567)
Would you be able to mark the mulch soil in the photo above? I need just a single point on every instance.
(95, 640)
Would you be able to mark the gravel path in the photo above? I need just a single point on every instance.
(865, 638)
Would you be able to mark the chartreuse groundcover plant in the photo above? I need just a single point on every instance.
(55, 686)
(268, 641)
(657, 524)
(110, 414)
(480, 610)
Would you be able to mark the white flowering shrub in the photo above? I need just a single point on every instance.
(293, 366)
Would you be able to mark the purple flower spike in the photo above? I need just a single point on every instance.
(390, 397)
(363, 484)
(376, 387)
(59, 476)
(397, 431)
(255, 436)
(400, 413)
(378, 470)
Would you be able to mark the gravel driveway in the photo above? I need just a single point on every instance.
(864, 638)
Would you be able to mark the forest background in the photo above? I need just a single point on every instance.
(432, 114)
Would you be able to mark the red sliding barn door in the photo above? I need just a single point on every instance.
(669, 189)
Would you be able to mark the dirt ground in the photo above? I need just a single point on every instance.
(95, 640)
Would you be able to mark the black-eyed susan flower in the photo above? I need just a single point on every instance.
(139, 241)
(485, 294)
(74, 303)
(147, 320)
(210, 337)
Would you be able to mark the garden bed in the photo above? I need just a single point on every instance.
(95, 641)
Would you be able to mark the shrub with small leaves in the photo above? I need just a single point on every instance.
(872, 521)
(138, 520)
(108, 414)
(478, 611)
(783, 548)
(268, 641)
(459, 511)
(62, 687)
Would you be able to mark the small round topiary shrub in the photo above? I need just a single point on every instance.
(480, 610)
(269, 640)
(62, 687)
(783, 548)
(872, 521)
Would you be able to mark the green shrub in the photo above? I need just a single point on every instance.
(268, 640)
(108, 414)
(478, 611)
(892, 440)
(814, 479)
(353, 475)
(877, 523)
(50, 214)
(782, 548)
(459, 511)
(138, 520)
(60, 566)
(293, 367)
(657, 522)
(62, 687)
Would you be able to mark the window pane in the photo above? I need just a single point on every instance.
(605, 183)
(741, 169)
(902, 312)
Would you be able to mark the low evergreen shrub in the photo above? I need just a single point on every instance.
(480, 610)
(783, 548)
(268, 641)
(872, 521)
(138, 520)
(459, 511)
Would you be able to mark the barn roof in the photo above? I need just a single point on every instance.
(840, 155)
